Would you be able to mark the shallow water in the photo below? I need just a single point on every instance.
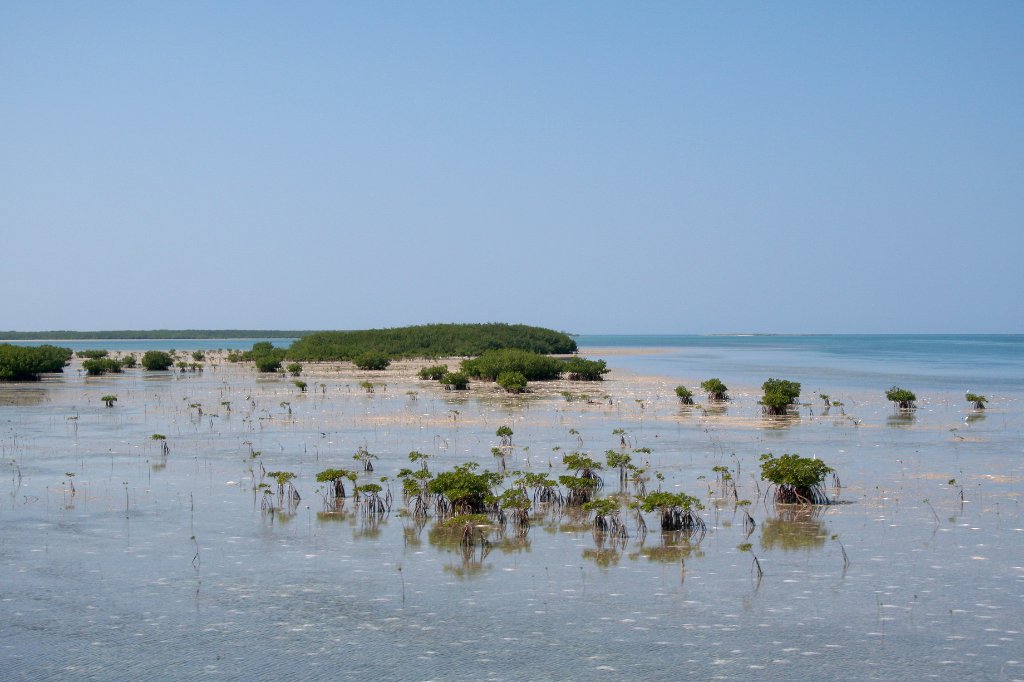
(167, 567)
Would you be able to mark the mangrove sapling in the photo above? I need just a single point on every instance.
(545, 491)
(715, 389)
(901, 397)
(372, 504)
(505, 433)
(420, 457)
(581, 490)
(366, 457)
(164, 449)
(366, 386)
(584, 467)
(620, 461)
(606, 516)
(295, 369)
(678, 512)
(301, 385)
(109, 400)
(978, 401)
(755, 566)
(335, 480)
(463, 491)
(286, 492)
(685, 395)
(797, 480)
(515, 503)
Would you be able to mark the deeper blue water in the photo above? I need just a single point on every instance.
(939, 361)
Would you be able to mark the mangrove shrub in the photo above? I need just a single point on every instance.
(903, 398)
(157, 360)
(797, 480)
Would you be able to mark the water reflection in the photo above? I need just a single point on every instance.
(780, 421)
(795, 527)
(20, 396)
(675, 546)
(975, 417)
(902, 419)
(607, 550)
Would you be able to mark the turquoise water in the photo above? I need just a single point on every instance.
(957, 362)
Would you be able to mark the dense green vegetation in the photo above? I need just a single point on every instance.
(531, 365)
(685, 395)
(372, 360)
(581, 369)
(92, 354)
(977, 401)
(903, 398)
(715, 389)
(779, 394)
(134, 334)
(157, 360)
(24, 363)
(100, 366)
(433, 372)
(797, 479)
(433, 340)
(513, 382)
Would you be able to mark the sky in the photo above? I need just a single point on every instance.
(594, 167)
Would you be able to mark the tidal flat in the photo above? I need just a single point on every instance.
(119, 560)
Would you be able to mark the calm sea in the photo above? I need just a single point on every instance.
(939, 361)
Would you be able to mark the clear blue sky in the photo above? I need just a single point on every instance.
(594, 167)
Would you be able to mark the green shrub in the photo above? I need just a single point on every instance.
(903, 398)
(463, 490)
(92, 354)
(99, 366)
(455, 381)
(788, 389)
(157, 360)
(129, 361)
(685, 395)
(715, 389)
(198, 355)
(797, 479)
(26, 363)
(268, 362)
(433, 373)
(978, 401)
(513, 382)
(295, 369)
(531, 365)
(678, 511)
(372, 360)
(109, 400)
(581, 369)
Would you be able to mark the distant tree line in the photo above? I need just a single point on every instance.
(136, 334)
(431, 340)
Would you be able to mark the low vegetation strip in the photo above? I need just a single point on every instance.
(134, 334)
(432, 340)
